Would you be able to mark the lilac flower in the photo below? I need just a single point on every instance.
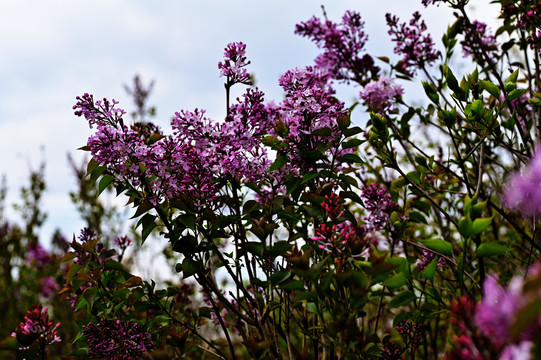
(417, 49)
(98, 113)
(233, 67)
(379, 95)
(522, 192)
(380, 204)
(37, 255)
(477, 39)
(496, 312)
(428, 256)
(520, 351)
(47, 286)
(343, 45)
(125, 340)
(36, 327)
(123, 242)
(412, 334)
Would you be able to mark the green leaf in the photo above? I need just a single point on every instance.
(351, 158)
(431, 92)
(189, 267)
(148, 225)
(491, 88)
(105, 181)
(451, 79)
(515, 94)
(144, 207)
(279, 277)
(430, 270)
(278, 163)
(479, 225)
(491, 249)
(396, 280)
(115, 265)
(465, 226)
(402, 298)
(90, 295)
(343, 121)
(439, 245)
(352, 143)
(417, 217)
(293, 285)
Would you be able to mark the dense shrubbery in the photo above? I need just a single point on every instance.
(298, 235)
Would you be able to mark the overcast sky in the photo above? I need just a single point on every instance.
(53, 51)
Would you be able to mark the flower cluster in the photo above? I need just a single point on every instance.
(36, 327)
(100, 113)
(308, 106)
(523, 189)
(413, 334)
(342, 45)
(528, 18)
(478, 40)
(427, 258)
(380, 204)
(233, 67)
(417, 48)
(123, 242)
(126, 340)
(379, 95)
(37, 255)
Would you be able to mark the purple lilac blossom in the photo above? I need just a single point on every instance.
(380, 95)
(427, 258)
(477, 39)
(523, 190)
(233, 66)
(520, 351)
(47, 286)
(495, 313)
(37, 255)
(36, 327)
(123, 242)
(417, 48)
(380, 204)
(117, 339)
(343, 47)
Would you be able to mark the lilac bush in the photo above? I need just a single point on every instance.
(301, 232)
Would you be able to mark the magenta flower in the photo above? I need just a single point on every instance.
(523, 190)
(47, 286)
(342, 45)
(233, 67)
(123, 242)
(416, 47)
(37, 255)
(36, 327)
(496, 312)
(380, 95)
(117, 340)
(477, 39)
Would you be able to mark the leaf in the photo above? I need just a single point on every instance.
(491, 249)
(279, 277)
(431, 92)
(430, 270)
(396, 280)
(451, 79)
(148, 225)
(352, 143)
(417, 217)
(115, 265)
(402, 298)
(351, 158)
(465, 226)
(189, 267)
(515, 94)
(105, 181)
(278, 163)
(439, 245)
(479, 225)
(90, 295)
(491, 88)
(68, 256)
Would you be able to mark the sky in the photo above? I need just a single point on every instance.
(52, 51)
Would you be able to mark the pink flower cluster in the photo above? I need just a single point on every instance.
(233, 67)
(380, 95)
(417, 48)
(523, 190)
(477, 39)
(342, 45)
(36, 327)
